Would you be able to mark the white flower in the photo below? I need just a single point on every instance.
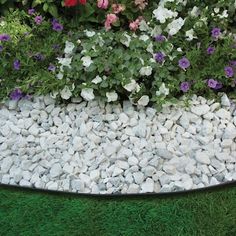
(183, 2)
(156, 30)
(87, 94)
(216, 9)
(147, 70)
(190, 35)
(89, 33)
(112, 96)
(162, 14)
(224, 14)
(65, 61)
(144, 37)
(78, 41)
(86, 61)
(143, 26)
(69, 47)
(195, 12)
(2, 23)
(126, 39)
(97, 80)
(60, 75)
(143, 101)
(131, 86)
(150, 48)
(162, 90)
(174, 27)
(66, 93)
(142, 61)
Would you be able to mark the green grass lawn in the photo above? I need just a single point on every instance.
(29, 212)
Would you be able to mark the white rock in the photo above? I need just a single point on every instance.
(25, 183)
(68, 168)
(123, 118)
(226, 143)
(14, 128)
(94, 175)
(133, 188)
(200, 109)
(52, 185)
(77, 185)
(117, 171)
(230, 132)
(169, 169)
(202, 157)
(223, 114)
(110, 150)
(77, 144)
(147, 186)
(122, 164)
(34, 130)
(56, 170)
(138, 177)
(225, 101)
(133, 161)
(149, 171)
(6, 164)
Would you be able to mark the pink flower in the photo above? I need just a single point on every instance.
(111, 18)
(135, 24)
(117, 8)
(103, 4)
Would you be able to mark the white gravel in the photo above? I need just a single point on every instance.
(94, 147)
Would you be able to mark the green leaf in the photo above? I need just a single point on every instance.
(52, 9)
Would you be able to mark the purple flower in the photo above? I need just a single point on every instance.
(5, 37)
(160, 57)
(185, 86)
(210, 50)
(215, 33)
(39, 57)
(229, 72)
(31, 11)
(38, 20)
(16, 64)
(51, 68)
(57, 26)
(16, 94)
(184, 63)
(212, 83)
(233, 63)
(160, 38)
(219, 85)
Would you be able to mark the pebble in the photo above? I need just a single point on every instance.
(147, 186)
(56, 170)
(93, 147)
(200, 109)
(202, 157)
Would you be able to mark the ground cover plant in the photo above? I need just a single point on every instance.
(150, 52)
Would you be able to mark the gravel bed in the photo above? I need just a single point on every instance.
(95, 147)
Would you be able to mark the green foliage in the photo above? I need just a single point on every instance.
(27, 41)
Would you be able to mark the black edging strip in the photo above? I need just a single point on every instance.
(115, 195)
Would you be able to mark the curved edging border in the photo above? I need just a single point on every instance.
(116, 195)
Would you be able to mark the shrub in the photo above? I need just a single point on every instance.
(27, 52)
(157, 54)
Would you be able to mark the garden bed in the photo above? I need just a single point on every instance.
(99, 148)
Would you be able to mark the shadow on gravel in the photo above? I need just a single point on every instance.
(119, 195)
